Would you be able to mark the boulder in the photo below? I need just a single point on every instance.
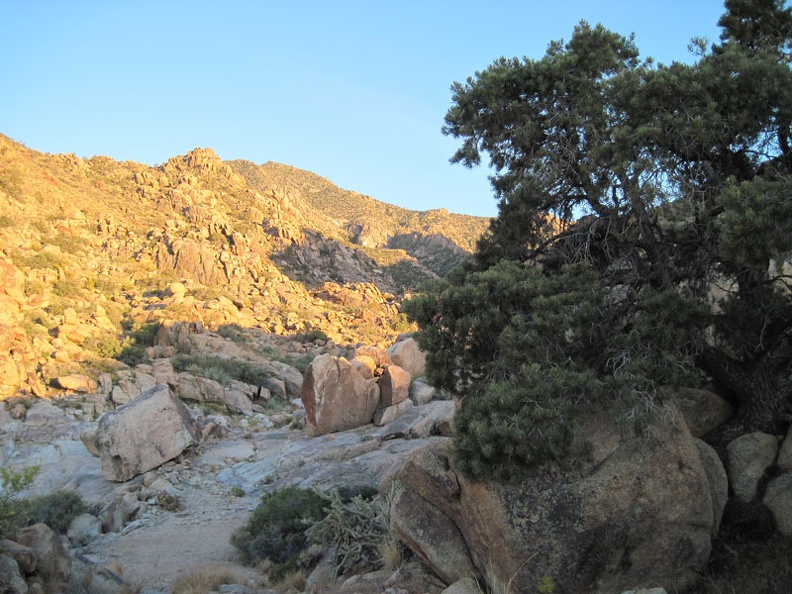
(717, 480)
(431, 535)
(778, 499)
(421, 392)
(750, 456)
(201, 389)
(291, 377)
(336, 397)
(364, 365)
(435, 418)
(83, 529)
(380, 357)
(388, 414)
(408, 356)
(703, 410)
(76, 383)
(639, 513)
(25, 557)
(785, 453)
(394, 385)
(142, 435)
(52, 560)
(10, 577)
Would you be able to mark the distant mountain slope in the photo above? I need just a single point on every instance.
(372, 223)
(93, 250)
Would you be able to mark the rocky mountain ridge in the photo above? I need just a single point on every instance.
(94, 250)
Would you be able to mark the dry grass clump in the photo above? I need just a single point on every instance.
(206, 578)
(293, 582)
(391, 553)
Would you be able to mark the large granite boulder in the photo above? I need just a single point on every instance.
(394, 386)
(53, 563)
(638, 513)
(407, 355)
(336, 396)
(749, 458)
(142, 435)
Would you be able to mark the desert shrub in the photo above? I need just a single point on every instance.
(6, 221)
(108, 347)
(219, 369)
(56, 510)
(276, 528)
(37, 259)
(137, 339)
(315, 334)
(232, 332)
(67, 242)
(300, 363)
(210, 371)
(70, 288)
(13, 482)
(356, 524)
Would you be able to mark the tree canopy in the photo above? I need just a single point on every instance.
(643, 238)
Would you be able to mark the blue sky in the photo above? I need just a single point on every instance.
(353, 91)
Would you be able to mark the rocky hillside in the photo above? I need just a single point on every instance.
(96, 253)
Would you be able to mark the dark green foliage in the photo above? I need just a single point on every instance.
(276, 529)
(512, 425)
(683, 175)
(56, 510)
(525, 349)
(133, 351)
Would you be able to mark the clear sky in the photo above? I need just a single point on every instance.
(355, 91)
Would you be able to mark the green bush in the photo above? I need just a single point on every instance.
(13, 482)
(527, 351)
(56, 510)
(276, 530)
(135, 342)
(221, 370)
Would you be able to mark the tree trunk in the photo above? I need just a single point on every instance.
(761, 390)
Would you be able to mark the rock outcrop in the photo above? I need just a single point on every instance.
(639, 513)
(142, 435)
(336, 396)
